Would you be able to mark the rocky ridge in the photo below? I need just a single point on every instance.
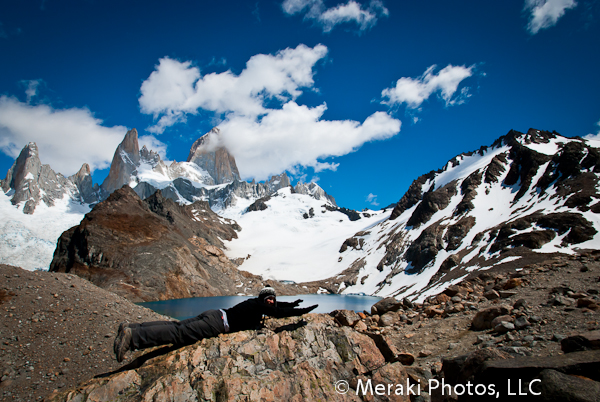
(30, 182)
(539, 323)
(209, 174)
(154, 249)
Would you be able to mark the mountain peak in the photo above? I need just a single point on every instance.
(208, 153)
(130, 143)
(27, 164)
(125, 162)
(527, 195)
(32, 182)
(88, 191)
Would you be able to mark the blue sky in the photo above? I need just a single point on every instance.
(360, 96)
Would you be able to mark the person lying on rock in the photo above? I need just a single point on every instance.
(246, 315)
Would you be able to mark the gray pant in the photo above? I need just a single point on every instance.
(186, 332)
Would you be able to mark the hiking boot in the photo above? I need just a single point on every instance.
(123, 343)
(122, 326)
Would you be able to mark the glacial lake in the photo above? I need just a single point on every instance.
(181, 309)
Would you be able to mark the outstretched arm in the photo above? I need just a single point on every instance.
(281, 312)
(295, 303)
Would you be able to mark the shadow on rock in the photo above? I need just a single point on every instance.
(290, 327)
(138, 362)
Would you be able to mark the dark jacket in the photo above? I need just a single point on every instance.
(248, 314)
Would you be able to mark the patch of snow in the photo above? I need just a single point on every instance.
(284, 245)
(466, 166)
(509, 259)
(28, 241)
(550, 148)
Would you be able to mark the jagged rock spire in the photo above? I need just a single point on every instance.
(88, 191)
(215, 159)
(125, 162)
(33, 182)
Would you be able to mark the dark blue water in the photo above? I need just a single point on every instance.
(181, 309)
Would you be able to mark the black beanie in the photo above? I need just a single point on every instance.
(266, 291)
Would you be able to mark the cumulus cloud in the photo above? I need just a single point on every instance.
(546, 13)
(66, 138)
(177, 88)
(414, 91)
(295, 136)
(265, 139)
(328, 18)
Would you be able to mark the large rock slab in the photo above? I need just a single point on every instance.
(311, 363)
(523, 376)
(385, 305)
(583, 341)
(556, 386)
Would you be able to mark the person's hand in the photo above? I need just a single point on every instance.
(310, 308)
(297, 302)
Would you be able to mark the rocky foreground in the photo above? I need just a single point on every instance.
(537, 328)
(56, 331)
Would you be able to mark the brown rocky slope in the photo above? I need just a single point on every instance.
(154, 249)
(56, 330)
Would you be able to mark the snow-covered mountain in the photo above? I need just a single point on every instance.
(526, 194)
(53, 203)
(502, 206)
(293, 235)
(36, 206)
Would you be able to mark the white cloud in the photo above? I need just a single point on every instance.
(414, 91)
(66, 138)
(264, 140)
(372, 199)
(177, 88)
(328, 18)
(546, 13)
(295, 136)
(32, 88)
(592, 136)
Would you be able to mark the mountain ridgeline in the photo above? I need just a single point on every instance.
(210, 174)
(501, 207)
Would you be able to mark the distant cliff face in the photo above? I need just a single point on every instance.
(144, 171)
(29, 184)
(124, 163)
(217, 161)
